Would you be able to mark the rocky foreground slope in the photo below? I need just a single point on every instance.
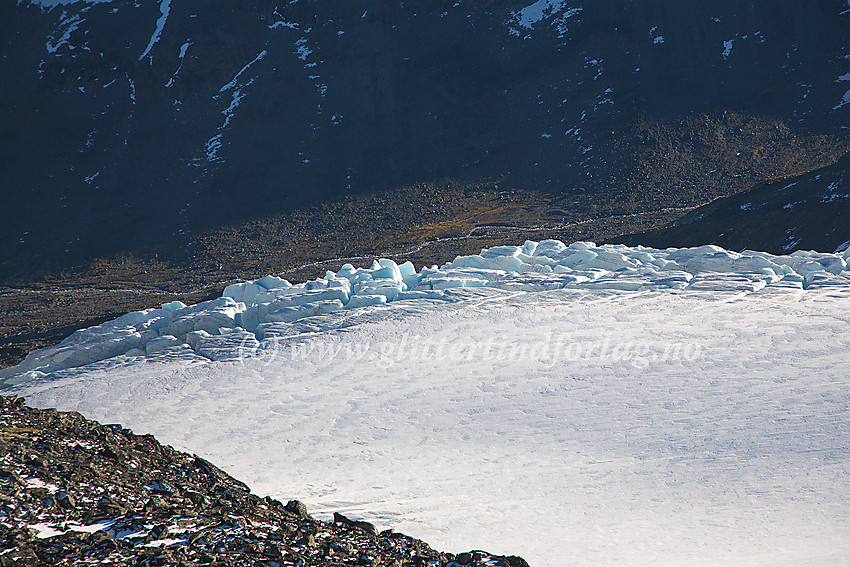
(75, 492)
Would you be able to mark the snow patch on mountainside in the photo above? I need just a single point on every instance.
(235, 80)
(183, 49)
(844, 100)
(164, 8)
(524, 20)
(237, 85)
(68, 25)
(53, 3)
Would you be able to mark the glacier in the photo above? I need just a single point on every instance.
(573, 404)
(273, 304)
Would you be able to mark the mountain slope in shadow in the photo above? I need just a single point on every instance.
(132, 126)
(803, 212)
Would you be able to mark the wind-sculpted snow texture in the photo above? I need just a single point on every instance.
(575, 405)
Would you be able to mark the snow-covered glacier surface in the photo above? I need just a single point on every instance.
(576, 405)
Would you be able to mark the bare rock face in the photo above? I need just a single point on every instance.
(73, 491)
(146, 122)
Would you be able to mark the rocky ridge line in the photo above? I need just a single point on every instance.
(75, 492)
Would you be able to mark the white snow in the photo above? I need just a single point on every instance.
(235, 80)
(44, 530)
(656, 39)
(572, 404)
(302, 50)
(537, 11)
(230, 111)
(792, 241)
(214, 144)
(164, 8)
(35, 482)
(238, 92)
(183, 49)
(68, 25)
(53, 3)
(844, 100)
(47, 530)
(532, 14)
(212, 147)
(283, 24)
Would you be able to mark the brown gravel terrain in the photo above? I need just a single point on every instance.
(427, 224)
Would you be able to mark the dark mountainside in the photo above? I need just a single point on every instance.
(812, 209)
(137, 127)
